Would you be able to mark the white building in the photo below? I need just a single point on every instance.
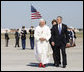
(4, 30)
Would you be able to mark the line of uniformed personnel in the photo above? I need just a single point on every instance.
(23, 34)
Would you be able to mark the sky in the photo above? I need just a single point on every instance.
(15, 14)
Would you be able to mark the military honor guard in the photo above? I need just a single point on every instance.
(31, 31)
(17, 37)
(23, 37)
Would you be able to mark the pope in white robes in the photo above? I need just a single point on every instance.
(42, 49)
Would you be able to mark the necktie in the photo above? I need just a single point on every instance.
(59, 29)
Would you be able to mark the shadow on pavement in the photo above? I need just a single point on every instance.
(33, 64)
(36, 64)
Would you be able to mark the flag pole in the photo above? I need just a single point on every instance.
(31, 18)
(30, 15)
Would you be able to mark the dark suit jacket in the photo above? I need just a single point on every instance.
(6, 36)
(50, 40)
(23, 32)
(31, 32)
(59, 39)
(17, 35)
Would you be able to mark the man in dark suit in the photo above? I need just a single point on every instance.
(17, 36)
(6, 38)
(59, 39)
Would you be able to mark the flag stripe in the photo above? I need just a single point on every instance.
(35, 16)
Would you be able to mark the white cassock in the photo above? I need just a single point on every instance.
(42, 49)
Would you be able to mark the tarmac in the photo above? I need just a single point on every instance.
(16, 59)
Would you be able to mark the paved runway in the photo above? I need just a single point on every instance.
(16, 59)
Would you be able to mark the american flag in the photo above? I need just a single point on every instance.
(34, 13)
